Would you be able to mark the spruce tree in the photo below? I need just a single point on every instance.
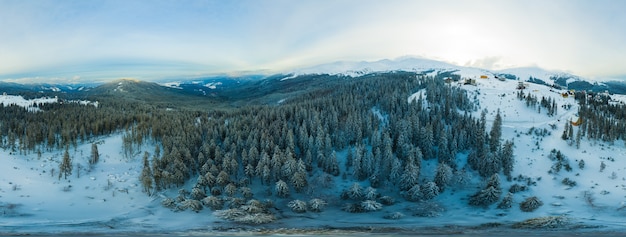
(95, 156)
(65, 168)
(443, 176)
(409, 177)
(496, 133)
(506, 157)
(146, 175)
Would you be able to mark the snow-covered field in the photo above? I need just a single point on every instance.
(105, 198)
(108, 197)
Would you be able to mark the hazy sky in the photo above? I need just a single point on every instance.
(88, 40)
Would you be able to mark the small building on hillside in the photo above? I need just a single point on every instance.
(521, 85)
(484, 77)
(469, 81)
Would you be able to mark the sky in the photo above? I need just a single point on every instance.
(72, 41)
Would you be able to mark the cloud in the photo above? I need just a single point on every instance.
(494, 63)
(583, 37)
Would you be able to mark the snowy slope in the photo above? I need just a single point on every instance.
(104, 199)
(607, 187)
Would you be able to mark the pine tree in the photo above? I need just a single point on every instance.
(496, 133)
(570, 132)
(443, 153)
(507, 160)
(507, 201)
(443, 176)
(95, 156)
(281, 188)
(430, 190)
(146, 175)
(410, 176)
(530, 204)
(414, 193)
(65, 168)
(489, 195)
(298, 180)
(565, 134)
(355, 192)
(490, 165)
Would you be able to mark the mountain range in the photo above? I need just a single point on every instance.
(217, 85)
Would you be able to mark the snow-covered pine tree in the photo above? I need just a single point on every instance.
(298, 180)
(281, 188)
(213, 202)
(485, 197)
(371, 205)
(410, 176)
(427, 143)
(396, 170)
(297, 206)
(356, 166)
(355, 192)
(317, 205)
(429, 190)
(490, 165)
(222, 178)
(414, 194)
(443, 176)
(371, 193)
(443, 153)
(489, 195)
(530, 204)
(197, 193)
(507, 201)
(230, 190)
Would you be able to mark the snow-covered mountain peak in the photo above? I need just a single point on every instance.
(428, 66)
(359, 68)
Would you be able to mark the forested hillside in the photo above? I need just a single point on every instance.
(355, 144)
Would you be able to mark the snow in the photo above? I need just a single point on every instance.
(8, 100)
(213, 85)
(105, 198)
(355, 69)
(531, 158)
(109, 197)
(175, 85)
(421, 65)
(30, 105)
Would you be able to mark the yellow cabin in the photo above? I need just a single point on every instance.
(484, 77)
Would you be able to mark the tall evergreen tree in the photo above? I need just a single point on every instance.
(496, 133)
(95, 156)
(443, 176)
(146, 175)
(65, 168)
(506, 157)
